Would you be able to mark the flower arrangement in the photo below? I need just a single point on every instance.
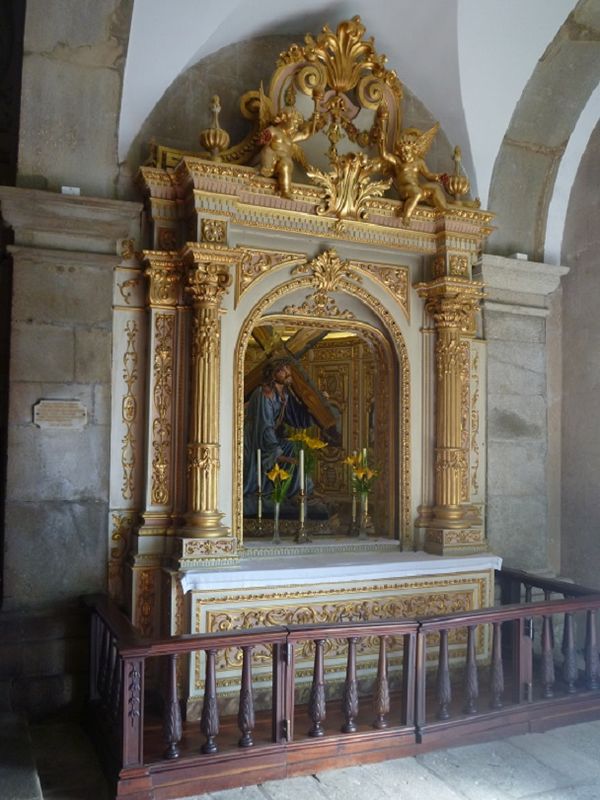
(281, 479)
(303, 440)
(362, 475)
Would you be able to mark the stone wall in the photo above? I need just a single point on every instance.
(74, 57)
(581, 402)
(57, 479)
(522, 448)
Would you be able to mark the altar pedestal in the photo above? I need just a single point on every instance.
(328, 588)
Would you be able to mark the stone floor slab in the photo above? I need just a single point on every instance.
(559, 754)
(18, 776)
(493, 771)
(406, 779)
(586, 791)
(306, 787)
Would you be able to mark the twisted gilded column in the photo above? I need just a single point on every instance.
(452, 303)
(207, 282)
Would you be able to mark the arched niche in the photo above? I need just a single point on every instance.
(354, 312)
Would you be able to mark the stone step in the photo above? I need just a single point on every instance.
(18, 774)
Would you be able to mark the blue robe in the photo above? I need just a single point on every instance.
(266, 417)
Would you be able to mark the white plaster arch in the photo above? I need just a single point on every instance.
(557, 212)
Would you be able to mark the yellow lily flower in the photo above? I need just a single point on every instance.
(278, 474)
(314, 443)
(299, 436)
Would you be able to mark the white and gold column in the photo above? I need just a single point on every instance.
(452, 300)
(208, 278)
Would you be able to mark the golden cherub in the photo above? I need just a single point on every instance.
(409, 165)
(279, 137)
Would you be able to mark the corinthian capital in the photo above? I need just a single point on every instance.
(164, 278)
(452, 302)
(207, 283)
(208, 276)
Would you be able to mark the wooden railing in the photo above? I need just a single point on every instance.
(524, 684)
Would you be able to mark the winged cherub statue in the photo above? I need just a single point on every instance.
(408, 164)
(279, 137)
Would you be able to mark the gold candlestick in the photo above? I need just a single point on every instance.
(302, 536)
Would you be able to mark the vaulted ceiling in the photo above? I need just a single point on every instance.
(514, 83)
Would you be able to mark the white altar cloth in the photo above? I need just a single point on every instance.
(332, 568)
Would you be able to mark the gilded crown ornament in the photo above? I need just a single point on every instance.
(215, 139)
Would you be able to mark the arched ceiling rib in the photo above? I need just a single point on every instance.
(545, 116)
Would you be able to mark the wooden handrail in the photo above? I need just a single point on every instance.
(118, 657)
(548, 584)
(510, 612)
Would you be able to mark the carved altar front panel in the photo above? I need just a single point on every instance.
(352, 601)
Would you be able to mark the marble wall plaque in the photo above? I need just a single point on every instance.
(66, 414)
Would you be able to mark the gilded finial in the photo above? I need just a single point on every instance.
(458, 184)
(215, 139)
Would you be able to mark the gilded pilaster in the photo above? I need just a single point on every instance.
(452, 302)
(208, 279)
(127, 404)
(163, 272)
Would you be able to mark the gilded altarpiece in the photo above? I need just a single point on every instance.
(322, 237)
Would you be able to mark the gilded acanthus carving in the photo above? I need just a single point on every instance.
(207, 282)
(146, 598)
(394, 279)
(450, 458)
(126, 288)
(254, 263)
(164, 277)
(129, 410)
(334, 612)
(459, 265)
(348, 186)
(475, 451)
(327, 270)
(206, 335)
(196, 548)
(203, 457)
(162, 369)
(121, 529)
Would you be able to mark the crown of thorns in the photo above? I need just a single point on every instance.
(271, 367)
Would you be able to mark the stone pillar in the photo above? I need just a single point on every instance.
(452, 300)
(207, 282)
(521, 316)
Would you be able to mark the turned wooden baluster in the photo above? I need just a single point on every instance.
(110, 675)
(570, 670)
(547, 597)
(103, 669)
(547, 658)
(209, 721)
(172, 720)
(381, 697)
(316, 703)
(444, 689)
(350, 698)
(471, 679)
(592, 667)
(497, 677)
(115, 693)
(246, 707)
